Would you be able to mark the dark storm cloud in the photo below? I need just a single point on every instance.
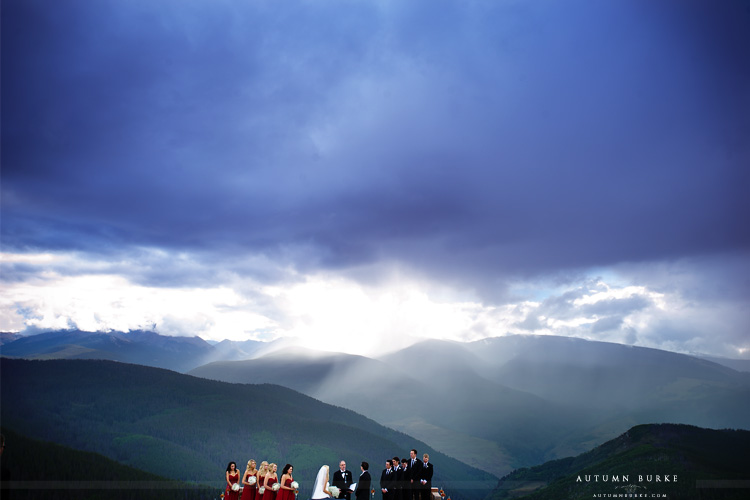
(468, 140)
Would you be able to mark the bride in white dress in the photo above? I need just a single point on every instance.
(320, 489)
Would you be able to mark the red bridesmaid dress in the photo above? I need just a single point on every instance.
(230, 494)
(286, 494)
(249, 492)
(259, 484)
(269, 493)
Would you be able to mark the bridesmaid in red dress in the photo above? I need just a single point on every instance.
(261, 479)
(248, 493)
(233, 477)
(269, 481)
(286, 492)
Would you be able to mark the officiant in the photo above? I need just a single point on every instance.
(342, 479)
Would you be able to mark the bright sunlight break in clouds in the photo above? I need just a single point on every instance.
(362, 175)
(341, 314)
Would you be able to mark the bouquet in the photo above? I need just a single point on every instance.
(236, 487)
(252, 480)
(334, 491)
(262, 490)
(295, 485)
(275, 486)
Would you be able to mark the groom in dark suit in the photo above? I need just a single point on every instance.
(363, 486)
(342, 479)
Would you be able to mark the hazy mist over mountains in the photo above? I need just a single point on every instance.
(496, 404)
(509, 402)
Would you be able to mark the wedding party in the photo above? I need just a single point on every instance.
(405, 479)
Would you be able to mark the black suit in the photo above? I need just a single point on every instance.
(363, 487)
(343, 481)
(426, 475)
(412, 475)
(388, 480)
(398, 484)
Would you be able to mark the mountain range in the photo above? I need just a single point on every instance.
(182, 353)
(510, 402)
(141, 347)
(496, 404)
(187, 428)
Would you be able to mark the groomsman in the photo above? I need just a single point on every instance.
(404, 479)
(413, 475)
(342, 479)
(387, 478)
(398, 483)
(363, 486)
(425, 477)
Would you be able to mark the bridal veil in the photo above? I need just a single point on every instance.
(320, 484)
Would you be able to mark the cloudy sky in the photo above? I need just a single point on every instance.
(361, 174)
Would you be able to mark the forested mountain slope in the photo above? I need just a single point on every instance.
(189, 428)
